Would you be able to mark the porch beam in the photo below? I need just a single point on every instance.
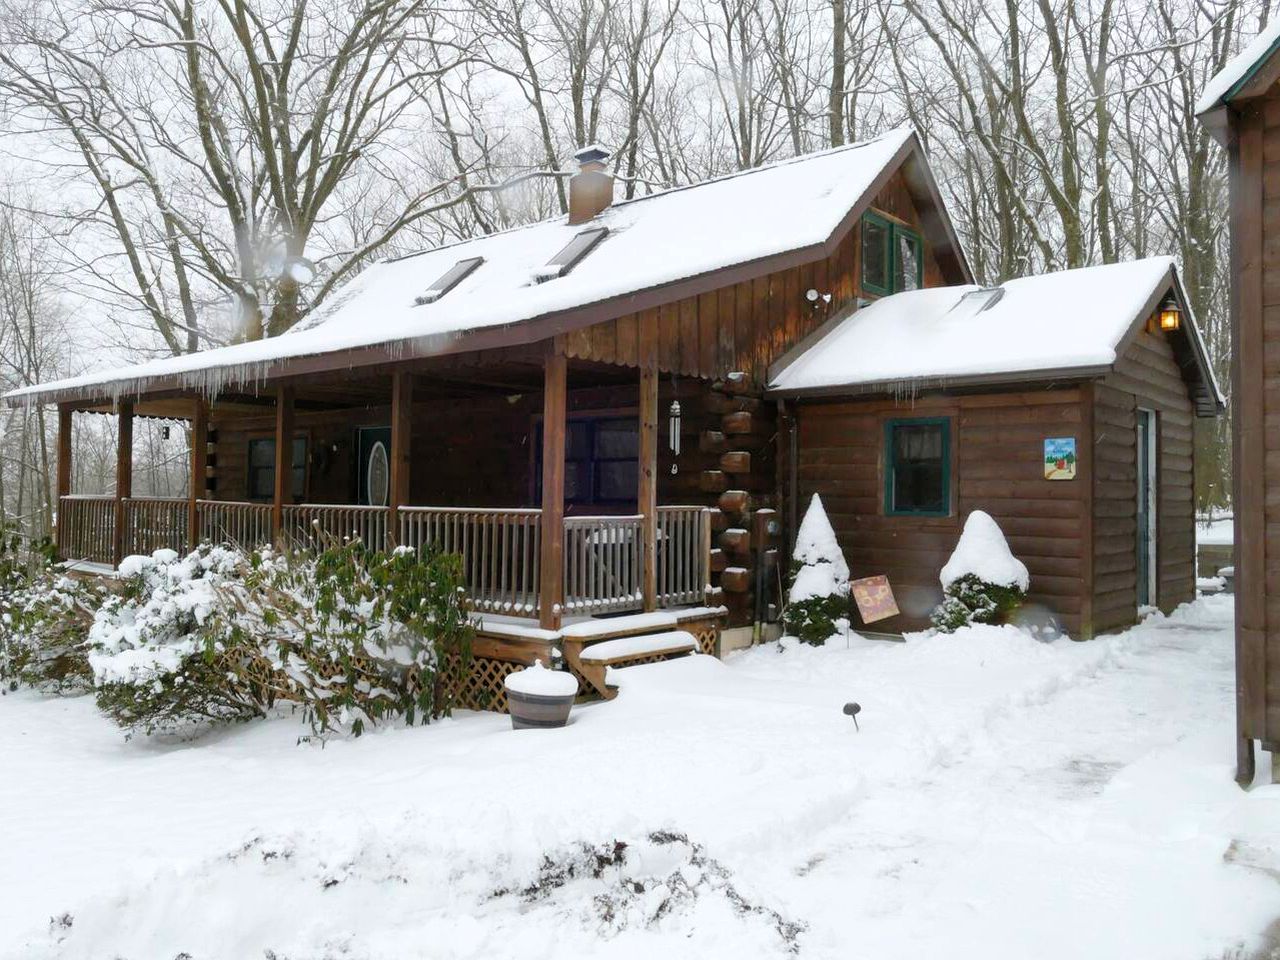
(401, 450)
(283, 490)
(124, 475)
(199, 468)
(554, 411)
(647, 494)
(64, 474)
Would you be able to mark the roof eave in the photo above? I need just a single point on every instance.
(907, 384)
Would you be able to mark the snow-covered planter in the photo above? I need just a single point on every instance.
(983, 582)
(352, 637)
(818, 600)
(538, 697)
(45, 617)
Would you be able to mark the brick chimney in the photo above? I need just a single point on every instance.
(590, 189)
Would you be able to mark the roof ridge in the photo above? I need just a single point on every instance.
(667, 191)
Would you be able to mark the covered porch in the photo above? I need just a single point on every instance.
(542, 472)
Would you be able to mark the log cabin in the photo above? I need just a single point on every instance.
(595, 411)
(1241, 107)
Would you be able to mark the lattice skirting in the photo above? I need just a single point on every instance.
(707, 633)
(483, 689)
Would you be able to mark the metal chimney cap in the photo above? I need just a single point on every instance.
(592, 153)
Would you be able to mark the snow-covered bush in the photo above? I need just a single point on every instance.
(352, 636)
(818, 601)
(44, 620)
(983, 582)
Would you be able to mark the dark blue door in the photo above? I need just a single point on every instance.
(373, 465)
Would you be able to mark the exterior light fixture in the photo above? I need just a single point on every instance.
(852, 710)
(1170, 315)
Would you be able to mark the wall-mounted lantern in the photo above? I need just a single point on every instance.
(1170, 314)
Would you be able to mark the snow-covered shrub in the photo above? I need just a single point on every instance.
(983, 582)
(44, 620)
(818, 600)
(352, 636)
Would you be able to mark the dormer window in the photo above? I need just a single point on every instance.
(448, 280)
(571, 255)
(892, 256)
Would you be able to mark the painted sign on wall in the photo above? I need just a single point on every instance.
(1060, 458)
(874, 598)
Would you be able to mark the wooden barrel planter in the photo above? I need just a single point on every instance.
(540, 698)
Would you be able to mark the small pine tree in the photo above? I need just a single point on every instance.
(983, 582)
(819, 594)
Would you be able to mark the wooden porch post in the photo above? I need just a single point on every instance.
(124, 474)
(401, 450)
(199, 464)
(647, 495)
(283, 491)
(554, 409)
(64, 473)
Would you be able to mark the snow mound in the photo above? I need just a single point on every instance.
(538, 681)
(984, 552)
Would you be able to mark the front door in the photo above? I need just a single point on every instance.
(1146, 539)
(373, 465)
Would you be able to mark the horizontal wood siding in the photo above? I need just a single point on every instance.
(998, 466)
(746, 326)
(1146, 376)
(465, 453)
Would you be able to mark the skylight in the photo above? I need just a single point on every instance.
(448, 280)
(975, 302)
(573, 252)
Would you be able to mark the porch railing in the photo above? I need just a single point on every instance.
(499, 550)
(243, 525)
(684, 555)
(602, 566)
(155, 523)
(315, 526)
(87, 527)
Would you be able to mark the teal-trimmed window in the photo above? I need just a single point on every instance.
(892, 256)
(917, 467)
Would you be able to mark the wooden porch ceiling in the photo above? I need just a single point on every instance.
(455, 377)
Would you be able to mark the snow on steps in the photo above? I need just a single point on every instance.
(634, 648)
(592, 659)
(609, 627)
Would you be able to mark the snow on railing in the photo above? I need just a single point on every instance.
(602, 564)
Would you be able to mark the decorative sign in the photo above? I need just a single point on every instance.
(378, 479)
(1060, 458)
(874, 598)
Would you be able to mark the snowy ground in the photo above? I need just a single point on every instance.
(1005, 798)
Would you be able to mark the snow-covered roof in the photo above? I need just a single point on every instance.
(1071, 320)
(652, 241)
(1240, 68)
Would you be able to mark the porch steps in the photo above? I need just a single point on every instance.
(612, 652)
(593, 646)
